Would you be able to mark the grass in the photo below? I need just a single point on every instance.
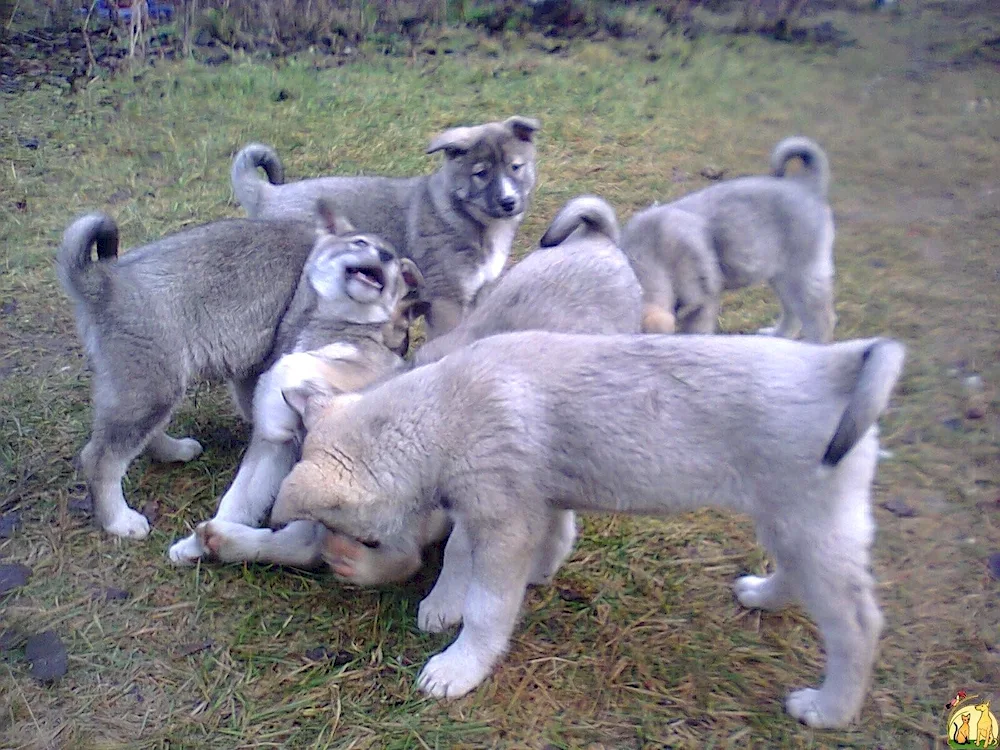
(639, 642)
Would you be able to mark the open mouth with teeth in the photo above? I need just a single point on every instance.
(370, 275)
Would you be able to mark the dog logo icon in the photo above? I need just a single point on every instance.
(972, 723)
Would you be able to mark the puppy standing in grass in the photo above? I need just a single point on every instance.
(511, 431)
(773, 229)
(222, 301)
(457, 224)
(583, 283)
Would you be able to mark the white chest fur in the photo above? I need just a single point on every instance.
(497, 243)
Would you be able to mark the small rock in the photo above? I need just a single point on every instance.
(47, 655)
(712, 172)
(21, 205)
(9, 524)
(151, 510)
(13, 576)
(568, 595)
(898, 507)
(953, 423)
(281, 95)
(993, 563)
(877, 263)
(324, 653)
(111, 594)
(29, 142)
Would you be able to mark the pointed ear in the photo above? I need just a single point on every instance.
(454, 142)
(330, 220)
(411, 274)
(315, 396)
(523, 127)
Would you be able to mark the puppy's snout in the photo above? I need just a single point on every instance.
(385, 256)
(508, 204)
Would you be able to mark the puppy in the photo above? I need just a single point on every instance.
(355, 283)
(584, 283)
(221, 301)
(457, 224)
(509, 433)
(773, 229)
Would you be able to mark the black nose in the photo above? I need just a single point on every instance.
(385, 256)
(507, 204)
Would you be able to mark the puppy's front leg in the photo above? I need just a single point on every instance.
(299, 544)
(249, 497)
(443, 606)
(501, 562)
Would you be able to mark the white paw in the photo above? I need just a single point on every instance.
(187, 551)
(451, 674)
(227, 541)
(187, 449)
(768, 331)
(806, 706)
(129, 524)
(750, 590)
(438, 613)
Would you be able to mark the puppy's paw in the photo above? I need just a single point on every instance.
(767, 331)
(807, 705)
(451, 674)
(187, 551)
(751, 591)
(129, 524)
(187, 449)
(438, 613)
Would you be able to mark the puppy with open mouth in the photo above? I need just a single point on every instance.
(221, 301)
(353, 284)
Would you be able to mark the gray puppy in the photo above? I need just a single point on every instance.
(221, 301)
(516, 429)
(341, 344)
(583, 284)
(457, 224)
(773, 229)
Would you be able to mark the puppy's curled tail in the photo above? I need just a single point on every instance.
(596, 213)
(85, 280)
(881, 364)
(817, 166)
(245, 179)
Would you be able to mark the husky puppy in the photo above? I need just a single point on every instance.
(773, 229)
(457, 224)
(583, 284)
(512, 431)
(223, 300)
(341, 345)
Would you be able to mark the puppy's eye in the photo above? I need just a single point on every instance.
(481, 171)
(361, 243)
(516, 167)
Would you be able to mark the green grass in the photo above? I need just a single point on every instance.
(639, 642)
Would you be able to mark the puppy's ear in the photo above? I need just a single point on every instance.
(523, 127)
(330, 220)
(411, 274)
(454, 142)
(314, 397)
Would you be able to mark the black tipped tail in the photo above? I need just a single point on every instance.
(247, 184)
(82, 278)
(817, 166)
(586, 210)
(881, 365)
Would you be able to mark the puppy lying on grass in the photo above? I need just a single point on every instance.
(509, 433)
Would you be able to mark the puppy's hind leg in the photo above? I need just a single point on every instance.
(165, 449)
(838, 591)
(555, 547)
(121, 430)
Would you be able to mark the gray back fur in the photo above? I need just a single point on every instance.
(584, 284)
(451, 223)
